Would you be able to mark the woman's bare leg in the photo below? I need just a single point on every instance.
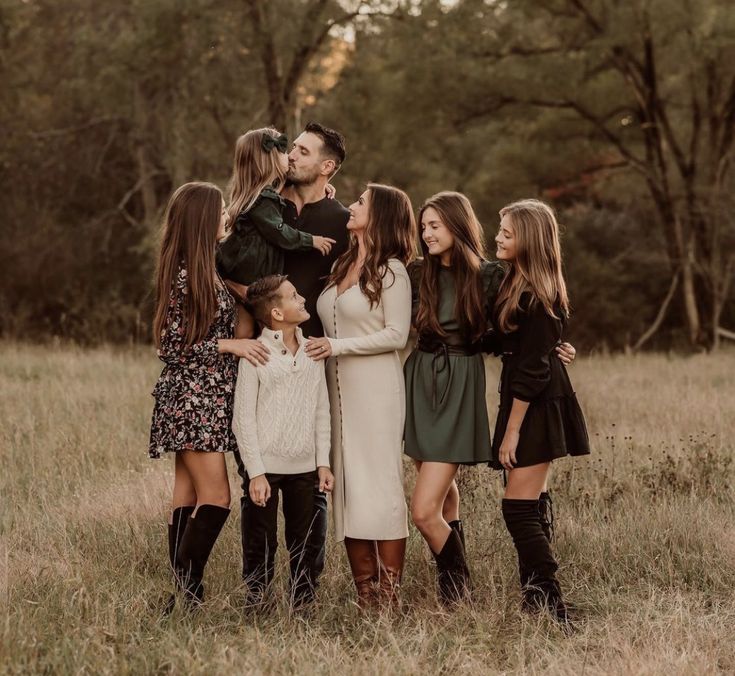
(184, 493)
(450, 508)
(427, 503)
(526, 483)
(208, 472)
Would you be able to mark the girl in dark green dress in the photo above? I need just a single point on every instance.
(539, 418)
(453, 290)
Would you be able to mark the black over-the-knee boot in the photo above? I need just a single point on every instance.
(546, 515)
(202, 531)
(176, 530)
(452, 571)
(546, 519)
(541, 588)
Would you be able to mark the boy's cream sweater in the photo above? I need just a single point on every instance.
(281, 411)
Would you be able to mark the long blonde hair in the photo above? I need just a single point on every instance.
(537, 265)
(457, 214)
(254, 169)
(190, 229)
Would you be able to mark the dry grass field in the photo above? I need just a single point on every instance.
(645, 536)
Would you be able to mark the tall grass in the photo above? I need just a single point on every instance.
(645, 538)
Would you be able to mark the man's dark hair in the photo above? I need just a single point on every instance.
(334, 142)
(263, 296)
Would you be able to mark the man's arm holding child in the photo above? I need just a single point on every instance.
(244, 425)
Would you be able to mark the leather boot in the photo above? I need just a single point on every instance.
(202, 531)
(540, 589)
(452, 571)
(391, 554)
(364, 566)
(176, 529)
(457, 525)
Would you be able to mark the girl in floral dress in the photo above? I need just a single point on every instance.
(193, 329)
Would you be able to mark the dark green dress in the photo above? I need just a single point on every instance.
(256, 244)
(446, 413)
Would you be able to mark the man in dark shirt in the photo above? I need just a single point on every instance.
(316, 156)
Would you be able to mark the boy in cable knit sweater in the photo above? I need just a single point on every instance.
(281, 422)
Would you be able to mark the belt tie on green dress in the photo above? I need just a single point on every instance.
(440, 362)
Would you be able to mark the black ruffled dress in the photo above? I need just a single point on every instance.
(554, 425)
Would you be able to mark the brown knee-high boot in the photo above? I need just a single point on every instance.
(363, 559)
(391, 554)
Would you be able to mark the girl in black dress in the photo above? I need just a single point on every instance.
(539, 418)
(193, 329)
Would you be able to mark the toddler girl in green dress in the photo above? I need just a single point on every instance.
(258, 236)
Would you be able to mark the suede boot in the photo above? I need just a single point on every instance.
(540, 589)
(546, 514)
(452, 571)
(202, 531)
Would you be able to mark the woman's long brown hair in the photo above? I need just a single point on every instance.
(537, 265)
(456, 213)
(390, 233)
(189, 238)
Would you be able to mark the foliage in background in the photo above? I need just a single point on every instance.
(621, 114)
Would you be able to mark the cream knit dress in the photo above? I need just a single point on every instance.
(366, 394)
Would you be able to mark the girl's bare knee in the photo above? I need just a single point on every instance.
(422, 516)
(220, 499)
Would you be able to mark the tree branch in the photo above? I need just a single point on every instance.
(660, 315)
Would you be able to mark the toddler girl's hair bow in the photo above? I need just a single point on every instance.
(269, 142)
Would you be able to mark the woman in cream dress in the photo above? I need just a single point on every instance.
(366, 313)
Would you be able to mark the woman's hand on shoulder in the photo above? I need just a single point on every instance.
(246, 348)
(318, 348)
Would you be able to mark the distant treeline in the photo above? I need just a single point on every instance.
(620, 114)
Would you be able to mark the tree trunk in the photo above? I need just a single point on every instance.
(694, 325)
(146, 170)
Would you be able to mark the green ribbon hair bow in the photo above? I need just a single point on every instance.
(269, 142)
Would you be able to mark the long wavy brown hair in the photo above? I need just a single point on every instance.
(456, 213)
(537, 266)
(189, 238)
(390, 233)
(253, 169)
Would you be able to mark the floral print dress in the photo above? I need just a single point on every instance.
(195, 391)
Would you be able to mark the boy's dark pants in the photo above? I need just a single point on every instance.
(305, 514)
